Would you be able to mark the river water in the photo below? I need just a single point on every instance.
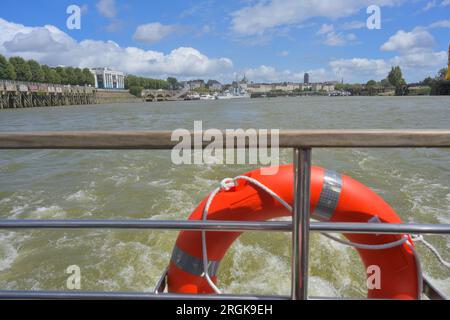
(65, 184)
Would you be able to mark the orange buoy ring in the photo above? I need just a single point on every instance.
(334, 198)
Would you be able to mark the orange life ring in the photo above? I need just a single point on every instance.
(334, 198)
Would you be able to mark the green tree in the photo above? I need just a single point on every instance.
(78, 77)
(173, 83)
(23, 72)
(88, 77)
(70, 76)
(339, 86)
(370, 87)
(428, 81)
(55, 77)
(395, 78)
(442, 73)
(385, 83)
(136, 91)
(6, 69)
(36, 71)
(50, 75)
(146, 83)
(62, 75)
(46, 72)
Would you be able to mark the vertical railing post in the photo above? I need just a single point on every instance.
(300, 219)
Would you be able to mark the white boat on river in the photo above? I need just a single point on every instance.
(234, 93)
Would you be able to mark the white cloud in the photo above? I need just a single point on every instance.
(433, 3)
(338, 39)
(19, 38)
(263, 74)
(107, 8)
(205, 30)
(36, 40)
(415, 48)
(351, 37)
(430, 5)
(270, 74)
(357, 69)
(283, 53)
(403, 41)
(421, 58)
(264, 15)
(440, 24)
(415, 51)
(333, 38)
(51, 46)
(325, 28)
(416, 65)
(354, 25)
(154, 32)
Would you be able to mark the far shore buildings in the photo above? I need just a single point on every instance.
(108, 79)
(214, 85)
(264, 88)
(196, 84)
(288, 87)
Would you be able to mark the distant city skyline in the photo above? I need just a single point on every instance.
(269, 41)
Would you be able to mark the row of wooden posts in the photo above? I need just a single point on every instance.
(15, 94)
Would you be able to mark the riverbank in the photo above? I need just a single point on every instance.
(115, 96)
(15, 94)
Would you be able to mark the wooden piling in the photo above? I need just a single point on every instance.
(15, 94)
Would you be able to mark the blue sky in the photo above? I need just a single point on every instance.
(271, 40)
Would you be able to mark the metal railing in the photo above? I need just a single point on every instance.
(301, 141)
(17, 83)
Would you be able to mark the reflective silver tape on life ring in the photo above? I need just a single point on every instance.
(329, 197)
(192, 265)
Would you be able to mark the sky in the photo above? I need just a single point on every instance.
(267, 40)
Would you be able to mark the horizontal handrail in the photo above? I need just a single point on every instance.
(90, 295)
(228, 226)
(192, 225)
(287, 139)
(429, 290)
(380, 228)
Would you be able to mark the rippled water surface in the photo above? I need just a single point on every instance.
(62, 184)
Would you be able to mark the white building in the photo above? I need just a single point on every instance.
(196, 84)
(287, 86)
(328, 87)
(108, 79)
(214, 85)
(305, 87)
(290, 87)
(260, 87)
